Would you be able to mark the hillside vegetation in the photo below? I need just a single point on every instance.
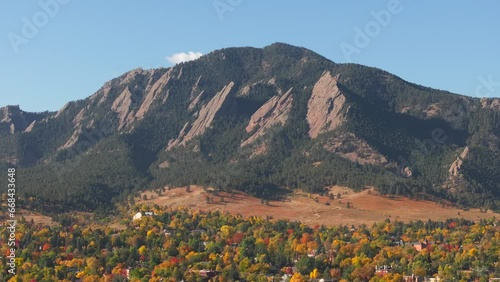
(262, 121)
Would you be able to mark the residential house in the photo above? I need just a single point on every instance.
(414, 278)
(382, 270)
(137, 216)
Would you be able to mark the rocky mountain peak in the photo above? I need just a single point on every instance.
(13, 119)
(7, 112)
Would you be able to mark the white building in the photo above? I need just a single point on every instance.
(137, 216)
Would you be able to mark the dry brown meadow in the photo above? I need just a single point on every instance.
(365, 207)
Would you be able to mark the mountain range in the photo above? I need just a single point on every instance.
(262, 120)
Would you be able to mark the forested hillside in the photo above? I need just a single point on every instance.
(262, 121)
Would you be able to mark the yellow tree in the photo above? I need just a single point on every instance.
(297, 278)
(314, 274)
(143, 250)
(227, 230)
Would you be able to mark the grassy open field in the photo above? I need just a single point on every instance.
(37, 218)
(365, 207)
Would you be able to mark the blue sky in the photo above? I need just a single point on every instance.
(78, 45)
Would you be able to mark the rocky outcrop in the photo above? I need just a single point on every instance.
(128, 79)
(79, 117)
(196, 94)
(174, 142)
(407, 172)
(196, 89)
(179, 75)
(77, 121)
(72, 140)
(456, 181)
(30, 127)
(5, 114)
(147, 86)
(349, 146)
(193, 103)
(105, 93)
(491, 103)
(59, 113)
(244, 90)
(275, 111)
(457, 164)
(131, 75)
(13, 119)
(122, 106)
(324, 108)
(153, 93)
(204, 119)
(164, 164)
(432, 110)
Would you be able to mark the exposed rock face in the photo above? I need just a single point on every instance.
(153, 92)
(78, 118)
(131, 75)
(105, 92)
(196, 94)
(77, 121)
(164, 164)
(432, 111)
(72, 140)
(456, 181)
(30, 127)
(274, 111)
(153, 87)
(205, 118)
(324, 108)
(13, 119)
(174, 142)
(196, 100)
(141, 88)
(407, 172)
(61, 110)
(196, 89)
(180, 74)
(456, 165)
(5, 115)
(122, 106)
(244, 90)
(491, 103)
(355, 149)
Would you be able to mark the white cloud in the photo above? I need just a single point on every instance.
(183, 57)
